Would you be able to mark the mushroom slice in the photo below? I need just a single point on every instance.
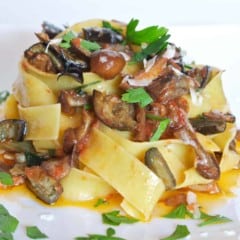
(156, 162)
(112, 111)
(12, 129)
(206, 163)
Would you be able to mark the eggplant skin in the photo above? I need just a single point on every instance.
(12, 129)
(156, 162)
(113, 112)
(42, 185)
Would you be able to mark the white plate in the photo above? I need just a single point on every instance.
(213, 45)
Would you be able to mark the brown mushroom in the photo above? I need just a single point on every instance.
(107, 63)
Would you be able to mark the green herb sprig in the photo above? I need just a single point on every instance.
(180, 232)
(153, 48)
(160, 129)
(8, 224)
(114, 218)
(110, 232)
(137, 95)
(66, 39)
(6, 179)
(146, 35)
(33, 232)
(90, 46)
(108, 25)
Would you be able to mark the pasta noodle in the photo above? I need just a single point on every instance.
(102, 114)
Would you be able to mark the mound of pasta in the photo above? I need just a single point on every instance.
(101, 108)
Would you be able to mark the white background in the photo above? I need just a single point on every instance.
(209, 30)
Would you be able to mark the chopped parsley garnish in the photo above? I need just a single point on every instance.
(90, 46)
(6, 236)
(137, 95)
(114, 218)
(3, 96)
(180, 232)
(8, 223)
(146, 35)
(153, 48)
(100, 202)
(6, 179)
(110, 232)
(108, 25)
(154, 117)
(180, 211)
(33, 232)
(66, 39)
(212, 219)
(160, 129)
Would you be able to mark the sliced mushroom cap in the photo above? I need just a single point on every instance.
(156, 162)
(107, 63)
(12, 129)
(112, 111)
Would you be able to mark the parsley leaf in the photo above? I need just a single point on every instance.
(114, 218)
(110, 232)
(146, 35)
(180, 232)
(179, 212)
(8, 223)
(6, 179)
(160, 129)
(99, 202)
(108, 25)
(33, 232)
(66, 39)
(3, 96)
(137, 95)
(6, 236)
(212, 219)
(153, 48)
(3, 210)
(91, 46)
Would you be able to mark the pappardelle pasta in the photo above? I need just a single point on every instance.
(100, 108)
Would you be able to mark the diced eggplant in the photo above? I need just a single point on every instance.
(73, 66)
(12, 129)
(156, 162)
(103, 35)
(50, 29)
(207, 125)
(33, 159)
(42, 185)
(48, 61)
(70, 99)
(112, 111)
